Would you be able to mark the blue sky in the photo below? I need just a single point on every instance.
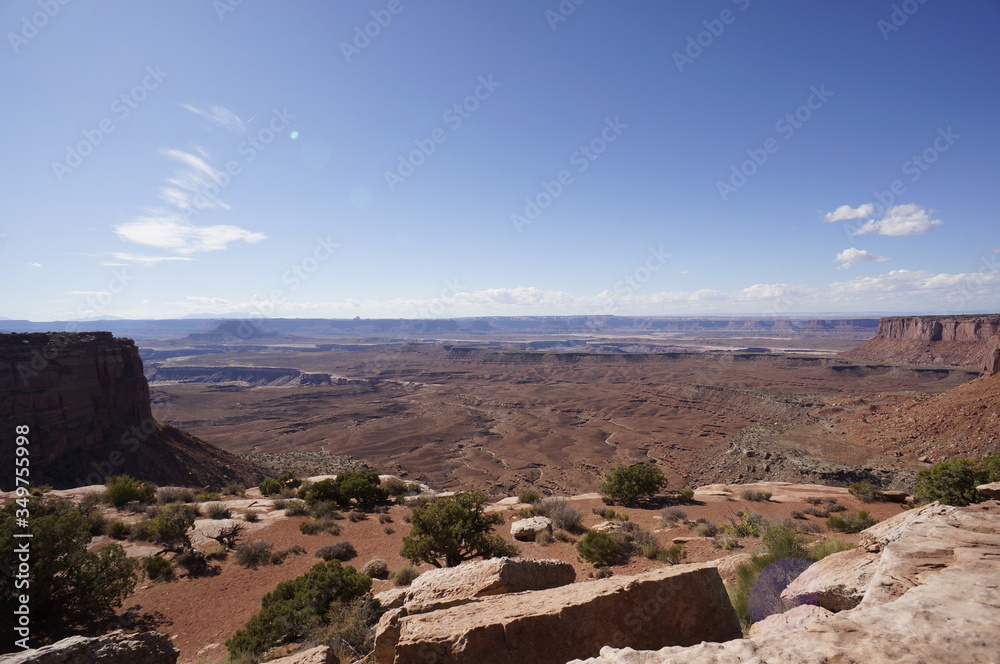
(485, 158)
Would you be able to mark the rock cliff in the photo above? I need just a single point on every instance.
(955, 340)
(85, 403)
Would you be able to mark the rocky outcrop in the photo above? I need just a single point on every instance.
(932, 597)
(85, 403)
(952, 340)
(835, 583)
(680, 605)
(991, 491)
(530, 528)
(317, 655)
(991, 357)
(453, 586)
(116, 647)
(780, 625)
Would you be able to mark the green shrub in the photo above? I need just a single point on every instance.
(218, 552)
(672, 516)
(172, 494)
(527, 496)
(69, 584)
(672, 555)
(726, 542)
(253, 553)
(233, 489)
(631, 485)
(356, 516)
(865, 492)
(310, 527)
(687, 495)
(350, 629)
(405, 575)
(384, 518)
(269, 486)
(251, 516)
(756, 593)
(954, 482)
(814, 500)
(158, 568)
(544, 538)
(207, 497)
(193, 561)
(171, 525)
(216, 511)
(824, 548)
(756, 496)
(118, 530)
(376, 568)
(454, 529)
(603, 572)
(747, 524)
(394, 486)
(816, 511)
(124, 489)
(851, 523)
(563, 515)
(300, 606)
(704, 529)
(296, 508)
(834, 505)
(341, 551)
(562, 536)
(603, 549)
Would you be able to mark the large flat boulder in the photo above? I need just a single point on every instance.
(991, 490)
(836, 583)
(789, 622)
(117, 647)
(448, 586)
(684, 604)
(530, 528)
(944, 605)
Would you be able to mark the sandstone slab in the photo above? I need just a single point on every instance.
(781, 625)
(836, 583)
(530, 528)
(991, 490)
(317, 655)
(117, 647)
(683, 604)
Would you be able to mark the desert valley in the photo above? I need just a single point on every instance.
(793, 423)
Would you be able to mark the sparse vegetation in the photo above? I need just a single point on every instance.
(359, 487)
(602, 572)
(158, 568)
(544, 538)
(300, 606)
(609, 514)
(356, 516)
(865, 492)
(253, 553)
(207, 497)
(124, 489)
(671, 555)
(726, 542)
(824, 548)
(341, 551)
(170, 527)
(296, 508)
(671, 516)
(756, 496)
(814, 500)
(756, 593)
(604, 549)
(563, 515)
(251, 516)
(834, 505)
(746, 524)
(704, 529)
(172, 494)
(405, 575)
(851, 523)
(954, 482)
(450, 530)
(216, 511)
(528, 496)
(633, 485)
(376, 568)
(394, 486)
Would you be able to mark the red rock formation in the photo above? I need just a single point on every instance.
(955, 340)
(85, 402)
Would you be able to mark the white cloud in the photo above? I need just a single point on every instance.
(144, 259)
(899, 220)
(845, 212)
(207, 300)
(852, 256)
(34, 264)
(195, 187)
(171, 232)
(89, 293)
(219, 115)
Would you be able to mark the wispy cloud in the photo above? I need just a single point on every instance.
(195, 187)
(852, 256)
(89, 293)
(34, 264)
(845, 212)
(145, 260)
(219, 115)
(899, 220)
(164, 230)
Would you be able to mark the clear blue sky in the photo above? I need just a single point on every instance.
(684, 158)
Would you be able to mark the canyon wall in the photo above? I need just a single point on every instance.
(85, 402)
(968, 341)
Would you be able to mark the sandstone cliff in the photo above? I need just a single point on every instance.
(954, 340)
(85, 402)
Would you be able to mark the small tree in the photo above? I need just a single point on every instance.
(630, 485)
(124, 489)
(299, 606)
(171, 526)
(450, 530)
(69, 585)
(953, 482)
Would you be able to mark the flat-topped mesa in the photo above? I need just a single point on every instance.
(963, 340)
(85, 403)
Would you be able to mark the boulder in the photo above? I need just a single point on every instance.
(895, 496)
(991, 491)
(945, 605)
(317, 655)
(608, 527)
(528, 529)
(451, 586)
(836, 583)
(881, 534)
(780, 625)
(117, 647)
(682, 604)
